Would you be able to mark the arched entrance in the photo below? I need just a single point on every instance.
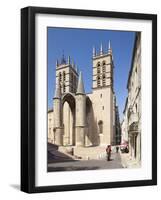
(91, 138)
(88, 137)
(68, 106)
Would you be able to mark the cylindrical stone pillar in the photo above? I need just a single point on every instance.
(57, 121)
(80, 119)
(57, 113)
(59, 136)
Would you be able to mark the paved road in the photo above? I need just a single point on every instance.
(72, 165)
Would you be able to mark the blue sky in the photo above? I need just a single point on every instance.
(78, 43)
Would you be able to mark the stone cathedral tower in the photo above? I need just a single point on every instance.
(103, 95)
(66, 75)
(85, 123)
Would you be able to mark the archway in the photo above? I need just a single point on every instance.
(100, 126)
(68, 101)
(92, 138)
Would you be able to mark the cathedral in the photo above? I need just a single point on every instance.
(84, 123)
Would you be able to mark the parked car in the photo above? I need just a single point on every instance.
(124, 147)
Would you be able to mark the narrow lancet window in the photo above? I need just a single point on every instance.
(64, 76)
(98, 81)
(100, 126)
(104, 80)
(98, 68)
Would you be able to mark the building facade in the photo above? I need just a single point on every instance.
(83, 121)
(124, 125)
(131, 125)
(118, 127)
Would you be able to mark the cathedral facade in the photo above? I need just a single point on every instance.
(79, 120)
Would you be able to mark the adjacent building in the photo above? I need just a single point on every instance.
(118, 127)
(124, 125)
(131, 124)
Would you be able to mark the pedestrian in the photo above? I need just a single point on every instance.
(108, 151)
(117, 149)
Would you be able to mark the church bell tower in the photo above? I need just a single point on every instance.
(102, 68)
(66, 75)
(103, 93)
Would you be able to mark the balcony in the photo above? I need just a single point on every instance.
(133, 123)
(132, 117)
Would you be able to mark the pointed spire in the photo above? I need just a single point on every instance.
(63, 61)
(68, 60)
(101, 49)
(109, 44)
(80, 88)
(77, 70)
(73, 64)
(57, 91)
(75, 67)
(57, 62)
(109, 48)
(94, 51)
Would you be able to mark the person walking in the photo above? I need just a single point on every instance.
(108, 151)
(117, 149)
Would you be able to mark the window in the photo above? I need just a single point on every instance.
(104, 79)
(98, 81)
(102, 107)
(100, 126)
(98, 68)
(104, 67)
(100, 95)
(64, 89)
(64, 75)
(60, 77)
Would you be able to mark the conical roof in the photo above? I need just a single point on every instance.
(57, 91)
(80, 88)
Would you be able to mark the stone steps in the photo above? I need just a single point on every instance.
(85, 153)
(90, 153)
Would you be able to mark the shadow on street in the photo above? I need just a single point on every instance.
(55, 156)
(58, 161)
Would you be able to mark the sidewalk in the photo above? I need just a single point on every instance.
(127, 162)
